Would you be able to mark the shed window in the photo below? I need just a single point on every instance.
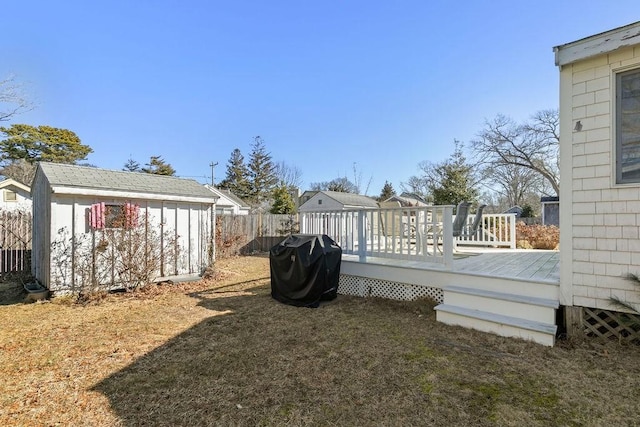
(10, 196)
(104, 215)
(628, 127)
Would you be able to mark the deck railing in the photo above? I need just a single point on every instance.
(399, 233)
(497, 230)
(418, 234)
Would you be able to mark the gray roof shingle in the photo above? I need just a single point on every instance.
(72, 176)
(351, 199)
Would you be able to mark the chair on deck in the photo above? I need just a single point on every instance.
(434, 233)
(462, 212)
(473, 229)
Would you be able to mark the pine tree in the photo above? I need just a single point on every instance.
(41, 144)
(131, 166)
(282, 201)
(387, 191)
(455, 180)
(237, 177)
(158, 166)
(262, 172)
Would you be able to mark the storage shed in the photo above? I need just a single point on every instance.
(98, 228)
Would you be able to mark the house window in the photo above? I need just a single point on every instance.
(10, 196)
(320, 201)
(103, 215)
(628, 127)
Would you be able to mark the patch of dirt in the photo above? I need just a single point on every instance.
(11, 292)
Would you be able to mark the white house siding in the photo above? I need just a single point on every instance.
(320, 202)
(599, 219)
(22, 202)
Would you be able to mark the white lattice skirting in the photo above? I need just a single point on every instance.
(366, 287)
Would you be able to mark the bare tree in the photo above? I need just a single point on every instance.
(20, 170)
(533, 145)
(357, 180)
(12, 99)
(514, 185)
(342, 185)
(290, 176)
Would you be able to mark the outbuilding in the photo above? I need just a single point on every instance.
(98, 228)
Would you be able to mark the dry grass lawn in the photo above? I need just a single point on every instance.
(222, 352)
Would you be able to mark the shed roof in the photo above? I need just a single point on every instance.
(63, 178)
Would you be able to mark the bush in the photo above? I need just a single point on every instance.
(105, 259)
(537, 236)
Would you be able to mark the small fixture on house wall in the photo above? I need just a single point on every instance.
(578, 126)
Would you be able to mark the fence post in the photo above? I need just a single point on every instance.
(362, 240)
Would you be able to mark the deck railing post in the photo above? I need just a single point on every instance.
(512, 231)
(362, 239)
(303, 223)
(447, 236)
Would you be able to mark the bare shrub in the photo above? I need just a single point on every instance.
(230, 236)
(537, 236)
(113, 258)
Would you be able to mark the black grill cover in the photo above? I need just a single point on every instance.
(305, 269)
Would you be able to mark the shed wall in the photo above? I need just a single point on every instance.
(600, 221)
(186, 227)
(41, 229)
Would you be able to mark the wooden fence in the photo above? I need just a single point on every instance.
(243, 234)
(15, 242)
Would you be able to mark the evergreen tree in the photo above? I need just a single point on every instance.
(131, 166)
(282, 201)
(237, 177)
(41, 143)
(158, 166)
(453, 180)
(387, 191)
(262, 172)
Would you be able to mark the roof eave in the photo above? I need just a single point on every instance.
(77, 191)
(597, 44)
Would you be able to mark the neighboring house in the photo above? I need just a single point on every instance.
(336, 200)
(407, 200)
(302, 199)
(15, 195)
(600, 164)
(79, 211)
(228, 203)
(514, 210)
(550, 207)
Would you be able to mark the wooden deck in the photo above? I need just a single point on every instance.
(526, 265)
(508, 292)
(531, 265)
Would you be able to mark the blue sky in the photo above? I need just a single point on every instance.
(326, 84)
